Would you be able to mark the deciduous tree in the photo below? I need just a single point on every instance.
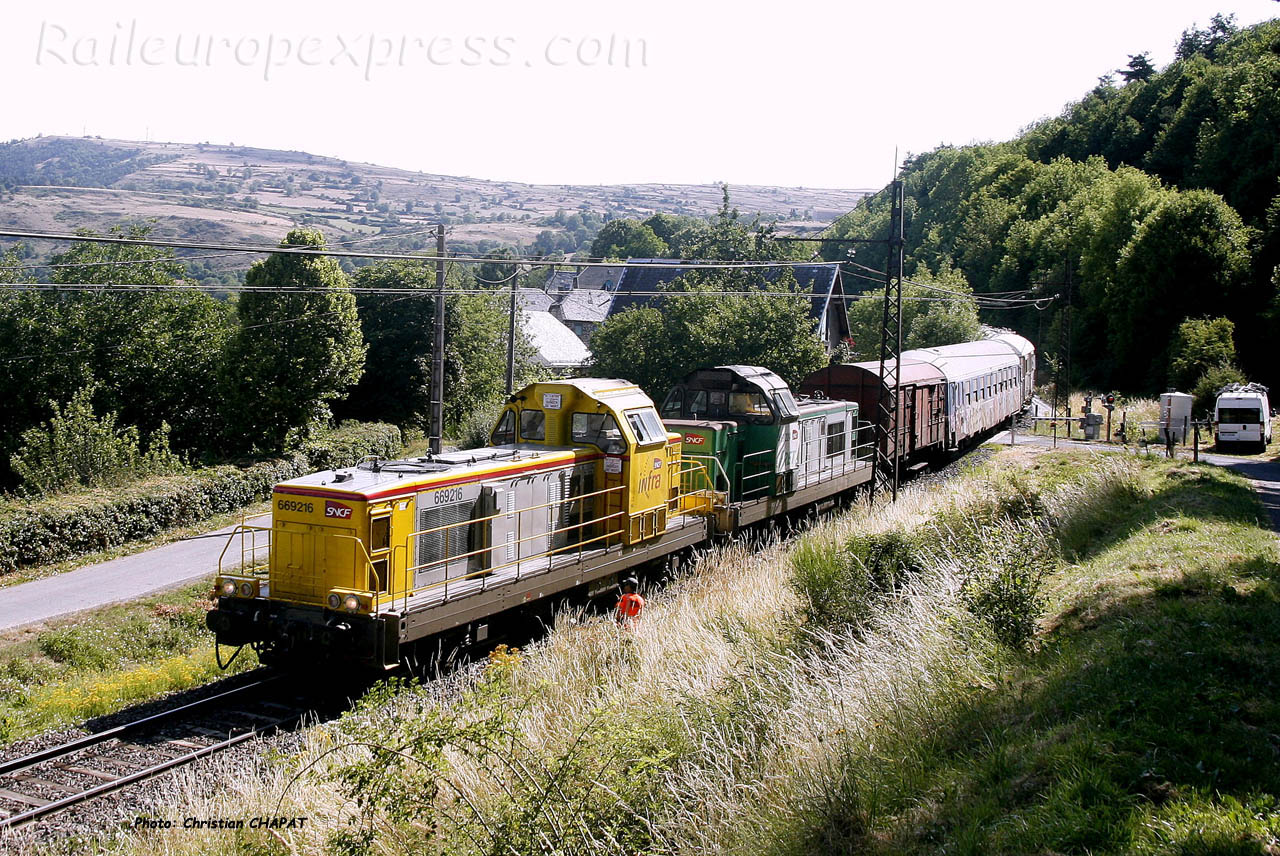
(623, 239)
(399, 330)
(295, 352)
(1199, 344)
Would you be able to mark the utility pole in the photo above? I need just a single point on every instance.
(437, 351)
(1068, 320)
(890, 410)
(511, 335)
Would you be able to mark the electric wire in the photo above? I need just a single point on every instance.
(320, 251)
(108, 348)
(183, 259)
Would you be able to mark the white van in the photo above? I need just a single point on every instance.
(1243, 416)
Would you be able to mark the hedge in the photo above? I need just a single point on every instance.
(58, 528)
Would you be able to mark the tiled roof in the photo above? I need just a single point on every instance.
(816, 278)
(584, 305)
(555, 344)
(587, 278)
(534, 299)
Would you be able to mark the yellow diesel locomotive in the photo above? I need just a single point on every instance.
(581, 482)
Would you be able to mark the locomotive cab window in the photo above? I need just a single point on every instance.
(533, 425)
(698, 406)
(673, 407)
(505, 433)
(380, 572)
(835, 438)
(752, 405)
(599, 430)
(786, 403)
(646, 426)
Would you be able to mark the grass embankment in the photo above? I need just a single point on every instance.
(105, 661)
(882, 686)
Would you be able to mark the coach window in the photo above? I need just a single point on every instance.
(505, 433)
(533, 425)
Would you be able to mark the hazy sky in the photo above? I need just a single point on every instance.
(816, 94)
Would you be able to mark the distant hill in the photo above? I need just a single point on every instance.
(211, 192)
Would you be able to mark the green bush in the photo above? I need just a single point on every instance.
(349, 442)
(842, 587)
(1003, 579)
(1205, 392)
(77, 448)
(474, 428)
(56, 529)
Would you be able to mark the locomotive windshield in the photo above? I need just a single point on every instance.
(748, 404)
(505, 433)
(533, 425)
(646, 426)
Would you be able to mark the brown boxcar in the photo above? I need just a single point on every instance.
(921, 401)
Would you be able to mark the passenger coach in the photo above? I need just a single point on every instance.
(947, 396)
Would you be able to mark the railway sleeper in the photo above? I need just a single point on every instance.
(23, 799)
(91, 772)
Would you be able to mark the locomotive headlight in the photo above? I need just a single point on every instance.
(335, 601)
(353, 603)
(246, 589)
(229, 587)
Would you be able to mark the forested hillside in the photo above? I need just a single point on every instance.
(1156, 194)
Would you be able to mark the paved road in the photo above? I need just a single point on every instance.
(116, 581)
(1264, 475)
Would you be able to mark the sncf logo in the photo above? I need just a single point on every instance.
(337, 509)
(694, 439)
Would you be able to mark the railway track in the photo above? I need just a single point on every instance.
(59, 778)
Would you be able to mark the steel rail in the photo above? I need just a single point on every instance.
(128, 779)
(63, 750)
(19, 764)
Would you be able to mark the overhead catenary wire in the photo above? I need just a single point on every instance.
(184, 259)
(107, 348)
(981, 299)
(321, 251)
(426, 291)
